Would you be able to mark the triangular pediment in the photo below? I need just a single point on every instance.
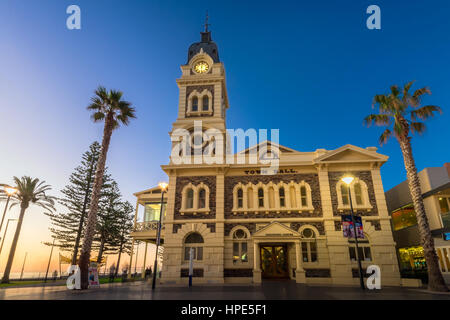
(276, 229)
(350, 153)
(268, 145)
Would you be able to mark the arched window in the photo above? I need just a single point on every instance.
(261, 197)
(303, 196)
(202, 198)
(282, 197)
(240, 198)
(358, 193)
(240, 249)
(190, 198)
(205, 103)
(194, 240)
(194, 104)
(309, 247)
(344, 194)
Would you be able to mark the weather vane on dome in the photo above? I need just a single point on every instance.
(206, 22)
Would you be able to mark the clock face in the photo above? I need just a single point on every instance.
(201, 67)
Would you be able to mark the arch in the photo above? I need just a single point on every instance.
(361, 194)
(191, 201)
(193, 237)
(313, 228)
(244, 228)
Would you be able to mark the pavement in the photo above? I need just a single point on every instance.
(282, 290)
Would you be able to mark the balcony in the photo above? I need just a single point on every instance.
(147, 230)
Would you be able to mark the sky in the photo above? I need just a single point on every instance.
(307, 68)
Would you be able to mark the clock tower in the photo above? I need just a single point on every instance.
(203, 96)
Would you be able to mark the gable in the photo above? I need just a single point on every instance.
(350, 153)
(275, 229)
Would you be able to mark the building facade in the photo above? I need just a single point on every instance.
(246, 225)
(435, 185)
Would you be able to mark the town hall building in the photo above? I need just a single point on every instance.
(246, 226)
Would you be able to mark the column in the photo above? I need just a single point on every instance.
(256, 263)
(131, 259)
(300, 275)
(145, 258)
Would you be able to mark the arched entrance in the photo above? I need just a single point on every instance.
(274, 261)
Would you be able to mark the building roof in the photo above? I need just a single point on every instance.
(208, 46)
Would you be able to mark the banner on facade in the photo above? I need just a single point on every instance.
(347, 227)
(93, 275)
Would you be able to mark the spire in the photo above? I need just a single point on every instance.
(206, 22)
(206, 35)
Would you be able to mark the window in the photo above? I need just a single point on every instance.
(190, 199)
(195, 241)
(303, 197)
(205, 103)
(309, 251)
(240, 252)
(363, 250)
(152, 210)
(444, 204)
(358, 194)
(282, 197)
(344, 194)
(261, 197)
(404, 217)
(194, 104)
(240, 198)
(202, 198)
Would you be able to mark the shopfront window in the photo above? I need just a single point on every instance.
(404, 217)
(412, 258)
(444, 204)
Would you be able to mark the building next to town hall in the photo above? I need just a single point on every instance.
(246, 225)
(435, 186)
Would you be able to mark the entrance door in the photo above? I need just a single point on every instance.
(274, 262)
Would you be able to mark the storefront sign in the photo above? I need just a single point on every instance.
(93, 276)
(347, 227)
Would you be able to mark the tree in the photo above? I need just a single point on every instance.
(68, 226)
(30, 191)
(110, 108)
(108, 221)
(401, 111)
(123, 241)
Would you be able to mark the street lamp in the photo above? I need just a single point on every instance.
(9, 191)
(163, 187)
(348, 180)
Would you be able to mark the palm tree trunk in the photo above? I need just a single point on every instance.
(435, 280)
(100, 251)
(92, 216)
(83, 214)
(12, 251)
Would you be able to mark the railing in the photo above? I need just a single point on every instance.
(147, 226)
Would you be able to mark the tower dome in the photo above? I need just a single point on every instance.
(206, 43)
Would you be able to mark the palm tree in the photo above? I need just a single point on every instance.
(402, 111)
(28, 191)
(110, 108)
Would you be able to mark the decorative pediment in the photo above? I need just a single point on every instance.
(350, 153)
(276, 229)
(267, 146)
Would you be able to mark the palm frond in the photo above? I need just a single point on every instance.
(385, 136)
(377, 119)
(416, 98)
(418, 127)
(425, 112)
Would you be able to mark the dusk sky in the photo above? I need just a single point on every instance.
(307, 68)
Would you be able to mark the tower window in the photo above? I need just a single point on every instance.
(190, 199)
(205, 103)
(260, 197)
(202, 199)
(195, 104)
(304, 199)
(344, 193)
(282, 197)
(240, 198)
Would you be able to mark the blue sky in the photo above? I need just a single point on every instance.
(308, 68)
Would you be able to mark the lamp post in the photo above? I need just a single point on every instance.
(163, 187)
(348, 180)
(4, 234)
(9, 191)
